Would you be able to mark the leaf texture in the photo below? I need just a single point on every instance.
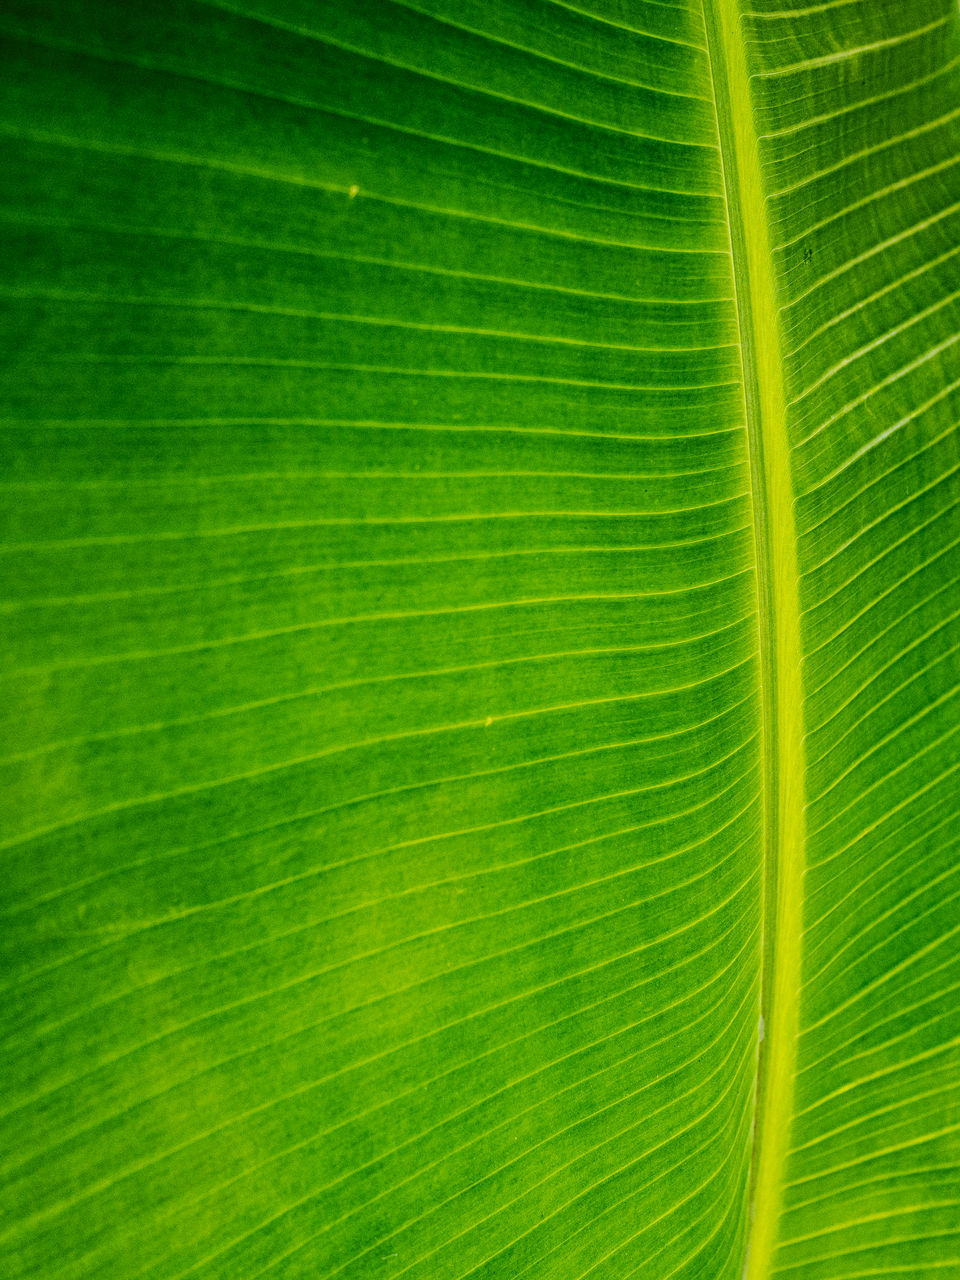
(402, 832)
(859, 151)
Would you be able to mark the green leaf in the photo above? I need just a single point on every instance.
(481, 633)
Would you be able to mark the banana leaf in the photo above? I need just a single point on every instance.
(481, 639)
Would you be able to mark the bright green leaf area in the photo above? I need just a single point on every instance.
(481, 640)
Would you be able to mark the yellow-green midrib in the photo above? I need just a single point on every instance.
(779, 628)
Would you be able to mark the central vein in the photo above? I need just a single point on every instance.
(784, 829)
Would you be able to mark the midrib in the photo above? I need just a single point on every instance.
(779, 625)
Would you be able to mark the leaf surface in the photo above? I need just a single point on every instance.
(480, 640)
